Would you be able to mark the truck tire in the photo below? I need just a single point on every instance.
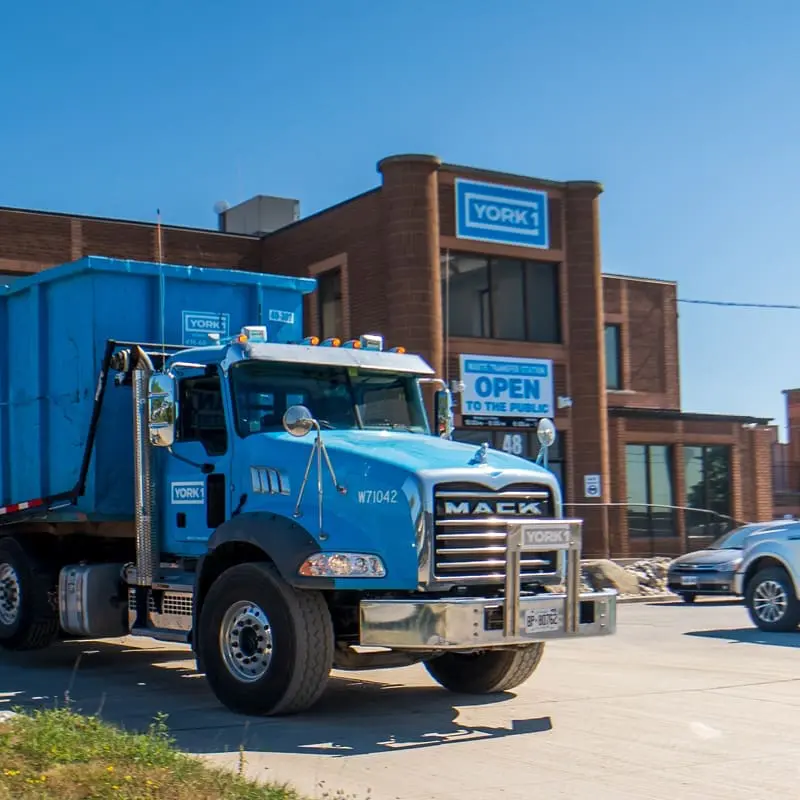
(486, 672)
(771, 601)
(28, 617)
(266, 648)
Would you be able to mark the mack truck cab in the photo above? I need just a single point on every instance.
(294, 512)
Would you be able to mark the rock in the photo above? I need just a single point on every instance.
(604, 574)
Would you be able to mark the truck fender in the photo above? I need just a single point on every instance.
(256, 536)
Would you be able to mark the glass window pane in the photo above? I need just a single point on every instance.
(472, 436)
(508, 299)
(636, 474)
(541, 300)
(612, 341)
(661, 494)
(718, 486)
(469, 295)
(696, 521)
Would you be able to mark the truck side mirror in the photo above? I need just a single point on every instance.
(443, 403)
(161, 410)
(546, 434)
(298, 421)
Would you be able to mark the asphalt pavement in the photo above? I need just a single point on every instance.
(684, 702)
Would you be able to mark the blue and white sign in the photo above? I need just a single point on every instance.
(488, 212)
(188, 493)
(284, 317)
(198, 324)
(501, 387)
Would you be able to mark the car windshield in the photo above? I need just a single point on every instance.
(734, 540)
(338, 398)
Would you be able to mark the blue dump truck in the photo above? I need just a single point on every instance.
(178, 462)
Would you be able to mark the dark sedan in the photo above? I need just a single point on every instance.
(711, 571)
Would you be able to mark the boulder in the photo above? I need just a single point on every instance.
(604, 574)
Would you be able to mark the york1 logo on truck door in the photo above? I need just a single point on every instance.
(196, 325)
(188, 493)
(489, 212)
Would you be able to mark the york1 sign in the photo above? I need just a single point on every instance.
(198, 324)
(506, 387)
(487, 212)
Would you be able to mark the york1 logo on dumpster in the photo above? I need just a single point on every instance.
(506, 387)
(188, 493)
(488, 212)
(198, 324)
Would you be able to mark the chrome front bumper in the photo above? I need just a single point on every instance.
(463, 623)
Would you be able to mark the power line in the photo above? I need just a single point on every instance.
(740, 305)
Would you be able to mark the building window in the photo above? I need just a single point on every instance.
(613, 357)
(520, 443)
(650, 491)
(708, 489)
(329, 293)
(501, 298)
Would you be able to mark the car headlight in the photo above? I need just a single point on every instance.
(729, 565)
(342, 565)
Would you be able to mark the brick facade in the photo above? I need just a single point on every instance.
(388, 245)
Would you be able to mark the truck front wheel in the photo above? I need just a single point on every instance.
(28, 618)
(771, 601)
(266, 648)
(487, 671)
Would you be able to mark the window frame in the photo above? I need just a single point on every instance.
(557, 455)
(487, 301)
(716, 516)
(337, 274)
(184, 390)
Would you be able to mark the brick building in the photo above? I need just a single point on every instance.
(497, 274)
(786, 461)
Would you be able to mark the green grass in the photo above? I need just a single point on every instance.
(65, 756)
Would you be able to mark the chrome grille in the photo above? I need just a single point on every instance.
(471, 526)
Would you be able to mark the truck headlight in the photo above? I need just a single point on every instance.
(342, 565)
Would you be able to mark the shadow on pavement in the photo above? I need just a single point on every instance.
(129, 686)
(751, 636)
(701, 602)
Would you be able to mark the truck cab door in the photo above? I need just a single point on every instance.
(195, 501)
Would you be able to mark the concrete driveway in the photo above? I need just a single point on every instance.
(685, 702)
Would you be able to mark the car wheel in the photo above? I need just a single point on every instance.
(688, 597)
(772, 602)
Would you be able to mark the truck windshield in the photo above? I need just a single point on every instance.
(336, 398)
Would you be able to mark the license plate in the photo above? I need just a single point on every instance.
(543, 620)
(689, 580)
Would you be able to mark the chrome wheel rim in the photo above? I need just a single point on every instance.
(246, 641)
(10, 596)
(770, 601)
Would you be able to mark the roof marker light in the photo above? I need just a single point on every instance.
(332, 342)
(352, 344)
(371, 341)
(311, 340)
(256, 334)
(398, 350)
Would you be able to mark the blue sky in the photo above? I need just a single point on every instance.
(687, 111)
